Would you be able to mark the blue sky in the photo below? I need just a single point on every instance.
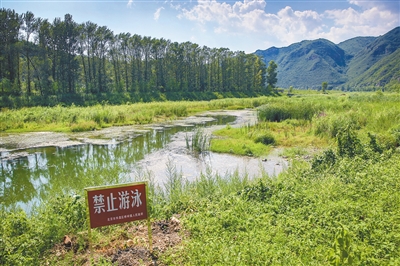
(245, 25)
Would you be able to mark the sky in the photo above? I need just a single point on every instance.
(246, 25)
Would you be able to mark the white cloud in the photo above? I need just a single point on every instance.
(349, 23)
(248, 6)
(157, 13)
(288, 25)
(391, 5)
(250, 17)
(129, 3)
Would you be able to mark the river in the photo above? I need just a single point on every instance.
(35, 166)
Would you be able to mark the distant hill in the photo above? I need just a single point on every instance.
(355, 45)
(357, 62)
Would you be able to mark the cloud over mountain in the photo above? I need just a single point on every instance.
(289, 25)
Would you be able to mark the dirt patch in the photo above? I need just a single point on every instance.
(127, 248)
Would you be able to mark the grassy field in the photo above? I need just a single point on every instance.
(339, 207)
(313, 121)
(74, 118)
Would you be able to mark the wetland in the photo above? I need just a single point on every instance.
(39, 165)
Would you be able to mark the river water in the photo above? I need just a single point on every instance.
(36, 166)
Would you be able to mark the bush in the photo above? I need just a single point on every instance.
(25, 239)
(266, 139)
(279, 111)
(83, 126)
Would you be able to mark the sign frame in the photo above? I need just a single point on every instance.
(104, 210)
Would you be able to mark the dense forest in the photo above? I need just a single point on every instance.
(47, 63)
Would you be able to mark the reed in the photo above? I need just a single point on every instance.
(198, 141)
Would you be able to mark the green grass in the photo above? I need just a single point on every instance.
(258, 140)
(240, 141)
(302, 217)
(198, 141)
(341, 208)
(314, 120)
(74, 118)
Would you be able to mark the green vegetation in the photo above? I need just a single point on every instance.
(74, 118)
(46, 63)
(313, 121)
(342, 207)
(272, 74)
(344, 213)
(198, 142)
(357, 64)
(247, 140)
(324, 86)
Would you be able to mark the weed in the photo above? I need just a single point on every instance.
(83, 126)
(198, 142)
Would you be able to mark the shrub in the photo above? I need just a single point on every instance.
(279, 111)
(83, 126)
(266, 139)
(348, 143)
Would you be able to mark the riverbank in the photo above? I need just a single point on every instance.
(11, 143)
(337, 207)
(80, 119)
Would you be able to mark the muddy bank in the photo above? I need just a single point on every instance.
(13, 145)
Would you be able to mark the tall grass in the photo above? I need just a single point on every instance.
(303, 217)
(198, 141)
(61, 118)
(328, 115)
(279, 111)
(349, 193)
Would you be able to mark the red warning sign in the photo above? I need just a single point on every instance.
(116, 204)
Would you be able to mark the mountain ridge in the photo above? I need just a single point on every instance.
(355, 63)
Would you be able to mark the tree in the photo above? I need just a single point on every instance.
(324, 86)
(66, 61)
(272, 74)
(10, 23)
(30, 25)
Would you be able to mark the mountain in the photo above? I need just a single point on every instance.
(355, 45)
(357, 62)
(379, 74)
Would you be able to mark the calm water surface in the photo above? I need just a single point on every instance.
(53, 171)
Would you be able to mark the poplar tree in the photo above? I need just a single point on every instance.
(272, 74)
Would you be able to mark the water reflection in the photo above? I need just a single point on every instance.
(44, 172)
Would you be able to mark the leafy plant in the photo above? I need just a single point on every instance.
(348, 143)
(342, 252)
(266, 139)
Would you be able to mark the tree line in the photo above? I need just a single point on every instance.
(61, 60)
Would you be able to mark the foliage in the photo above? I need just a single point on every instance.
(324, 86)
(357, 64)
(342, 207)
(266, 139)
(83, 126)
(25, 239)
(76, 118)
(198, 142)
(247, 140)
(278, 111)
(348, 214)
(272, 74)
(348, 143)
(86, 63)
(342, 253)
